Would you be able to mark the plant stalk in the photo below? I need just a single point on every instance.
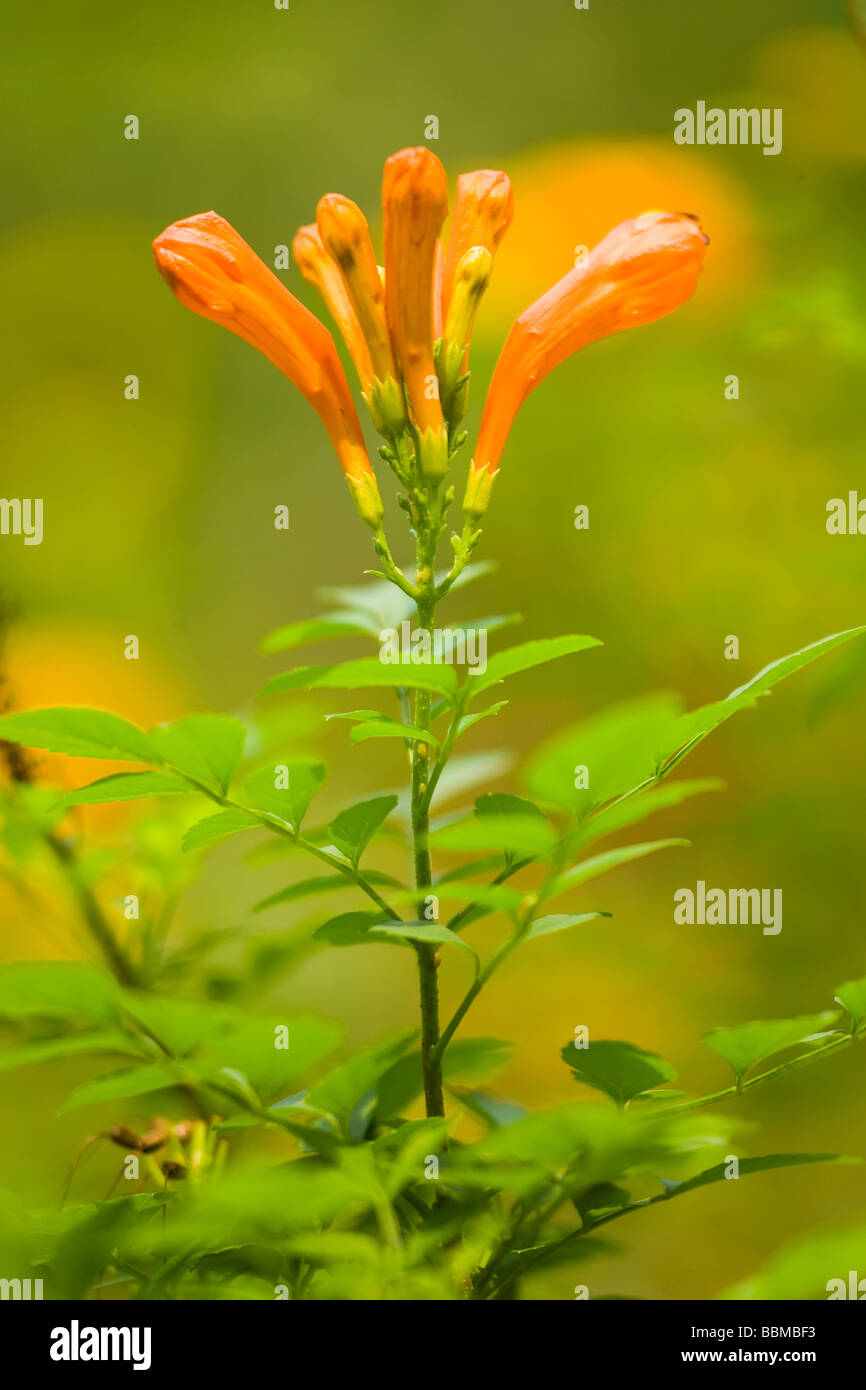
(428, 955)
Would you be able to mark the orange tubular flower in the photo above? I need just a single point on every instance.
(346, 236)
(318, 267)
(415, 204)
(643, 269)
(215, 273)
(482, 216)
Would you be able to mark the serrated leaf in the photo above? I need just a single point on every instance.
(852, 997)
(619, 1069)
(525, 656)
(303, 777)
(125, 786)
(744, 1045)
(207, 747)
(353, 829)
(226, 822)
(82, 733)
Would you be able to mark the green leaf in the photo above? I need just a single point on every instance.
(125, 786)
(718, 1173)
(852, 997)
(341, 1090)
(632, 809)
(353, 829)
(559, 921)
(518, 836)
(302, 776)
(468, 868)
(321, 883)
(215, 827)
(408, 932)
(70, 1045)
(599, 864)
(466, 1059)
(505, 804)
(83, 733)
(250, 1046)
(695, 726)
(498, 896)
(468, 720)
(620, 747)
(634, 744)
(120, 1085)
(748, 1043)
(180, 1024)
(388, 728)
(525, 656)
(619, 1069)
(57, 989)
(366, 673)
(315, 630)
(206, 747)
(349, 929)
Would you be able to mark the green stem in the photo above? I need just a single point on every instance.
(120, 964)
(804, 1060)
(428, 956)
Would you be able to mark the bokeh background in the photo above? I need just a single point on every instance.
(707, 515)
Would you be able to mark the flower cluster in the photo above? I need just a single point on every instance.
(407, 326)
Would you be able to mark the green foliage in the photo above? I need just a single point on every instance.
(83, 733)
(303, 777)
(619, 1069)
(353, 829)
(353, 1208)
(749, 1043)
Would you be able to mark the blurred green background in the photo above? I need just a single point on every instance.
(707, 515)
